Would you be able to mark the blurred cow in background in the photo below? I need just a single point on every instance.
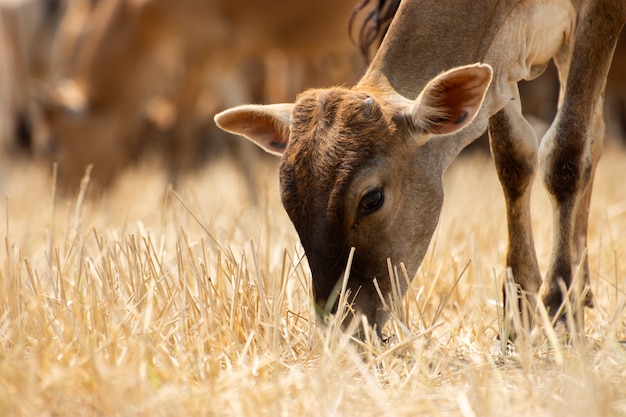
(103, 82)
(26, 33)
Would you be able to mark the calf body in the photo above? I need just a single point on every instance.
(362, 167)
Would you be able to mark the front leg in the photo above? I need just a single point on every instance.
(514, 148)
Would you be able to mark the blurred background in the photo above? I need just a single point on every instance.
(108, 82)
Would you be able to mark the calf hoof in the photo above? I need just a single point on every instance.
(553, 302)
(568, 317)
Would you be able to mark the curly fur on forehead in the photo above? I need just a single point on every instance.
(333, 134)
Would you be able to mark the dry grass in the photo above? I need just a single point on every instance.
(148, 303)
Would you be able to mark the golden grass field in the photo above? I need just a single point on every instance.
(146, 302)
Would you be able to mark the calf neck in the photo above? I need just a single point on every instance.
(361, 168)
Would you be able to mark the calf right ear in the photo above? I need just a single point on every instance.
(267, 126)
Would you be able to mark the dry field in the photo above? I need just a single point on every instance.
(146, 302)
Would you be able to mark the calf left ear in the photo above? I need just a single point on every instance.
(267, 126)
(450, 101)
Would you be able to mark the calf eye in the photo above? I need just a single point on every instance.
(371, 201)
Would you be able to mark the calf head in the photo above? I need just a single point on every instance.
(358, 171)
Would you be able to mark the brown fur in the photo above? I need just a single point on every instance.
(335, 133)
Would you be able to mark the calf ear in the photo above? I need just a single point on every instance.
(267, 126)
(450, 101)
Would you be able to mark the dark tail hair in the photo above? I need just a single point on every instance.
(374, 24)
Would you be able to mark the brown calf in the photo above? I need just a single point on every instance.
(362, 167)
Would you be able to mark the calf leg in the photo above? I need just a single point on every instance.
(568, 173)
(514, 148)
(571, 147)
(582, 215)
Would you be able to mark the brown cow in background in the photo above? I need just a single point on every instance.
(120, 78)
(26, 33)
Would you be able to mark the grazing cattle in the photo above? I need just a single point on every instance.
(126, 77)
(26, 32)
(362, 167)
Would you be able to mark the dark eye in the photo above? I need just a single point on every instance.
(371, 201)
